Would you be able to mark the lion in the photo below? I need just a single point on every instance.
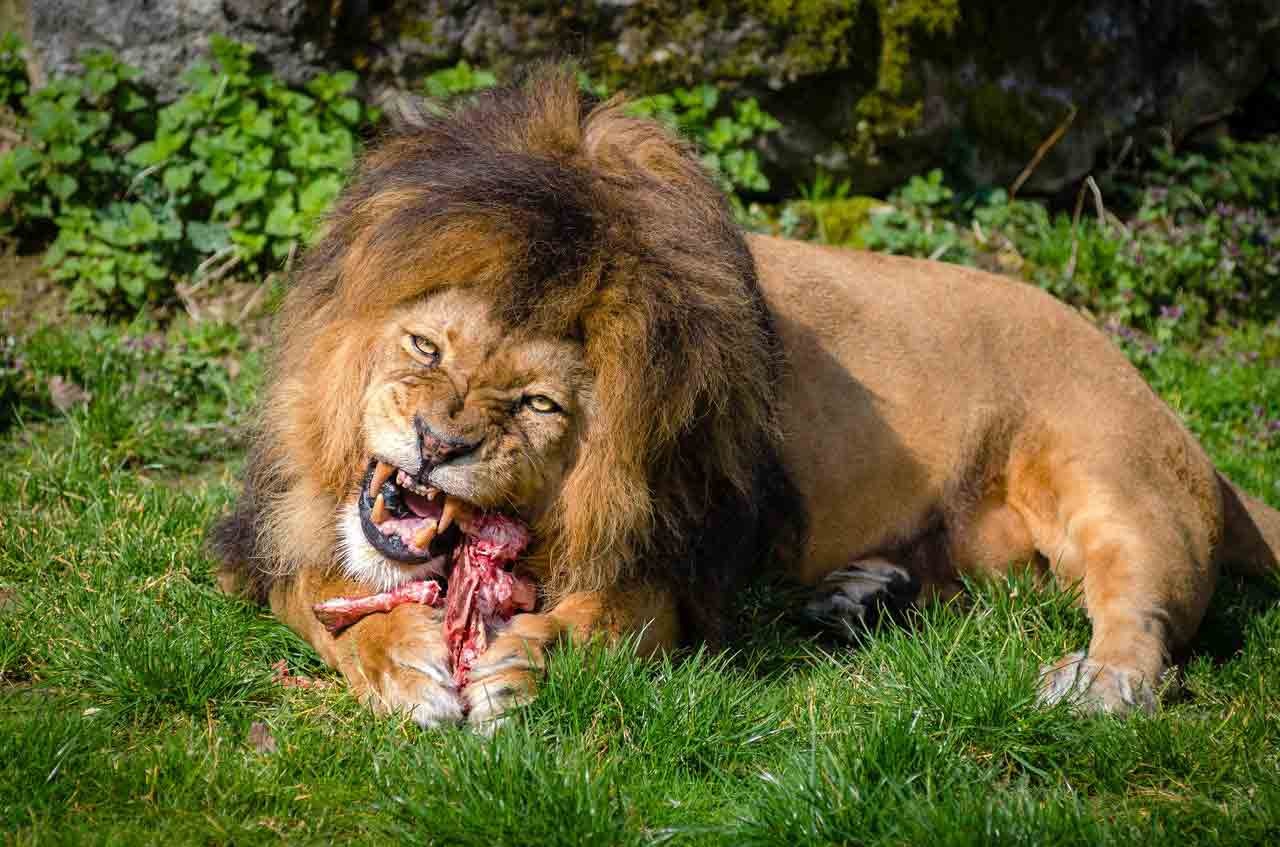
(542, 306)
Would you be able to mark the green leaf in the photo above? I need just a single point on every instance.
(63, 186)
(64, 154)
(283, 221)
(206, 237)
(348, 109)
(178, 178)
(318, 195)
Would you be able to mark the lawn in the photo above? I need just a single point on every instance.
(138, 705)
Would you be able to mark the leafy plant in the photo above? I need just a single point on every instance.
(462, 78)
(723, 136)
(250, 162)
(75, 131)
(235, 172)
(1236, 173)
(13, 70)
(917, 222)
(1201, 247)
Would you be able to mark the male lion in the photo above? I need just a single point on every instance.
(543, 306)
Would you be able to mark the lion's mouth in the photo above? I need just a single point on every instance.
(407, 521)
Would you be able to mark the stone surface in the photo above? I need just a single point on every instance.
(976, 94)
(163, 38)
(992, 92)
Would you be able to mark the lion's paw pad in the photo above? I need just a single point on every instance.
(1095, 688)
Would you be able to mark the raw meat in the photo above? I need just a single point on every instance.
(481, 591)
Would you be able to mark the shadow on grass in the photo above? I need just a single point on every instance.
(1238, 602)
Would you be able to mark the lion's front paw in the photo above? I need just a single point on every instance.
(1096, 688)
(506, 675)
(404, 666)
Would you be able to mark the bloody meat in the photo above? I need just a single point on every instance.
(481, 591)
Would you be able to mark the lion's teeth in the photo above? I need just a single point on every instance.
(380, 475)
(432, 493)
(455, 510)
(379, 511)
(448, 513)
(424, 536)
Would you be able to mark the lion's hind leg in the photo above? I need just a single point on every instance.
(1143, 560)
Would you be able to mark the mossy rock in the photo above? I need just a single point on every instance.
(1011, 121)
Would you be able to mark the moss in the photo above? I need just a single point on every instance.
(665, 43)
(1010, 121)
(891, 109)
(650, 46)
(419, 29)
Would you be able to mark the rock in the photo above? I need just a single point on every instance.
(982, 83)
(1009, 74)
(163, 39)
(875, 91)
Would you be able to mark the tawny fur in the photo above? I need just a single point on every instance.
(951, 420)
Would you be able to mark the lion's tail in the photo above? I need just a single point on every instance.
(1252, 544)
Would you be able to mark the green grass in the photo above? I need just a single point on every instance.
(129, 686)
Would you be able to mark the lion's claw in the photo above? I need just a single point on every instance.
(1096, 688)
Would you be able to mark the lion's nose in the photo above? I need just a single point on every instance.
(438, 448)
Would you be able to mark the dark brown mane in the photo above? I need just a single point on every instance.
(578, 220)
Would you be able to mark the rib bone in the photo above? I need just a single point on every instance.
(341, 612)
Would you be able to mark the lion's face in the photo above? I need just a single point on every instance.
(458, 405)
(533, 304)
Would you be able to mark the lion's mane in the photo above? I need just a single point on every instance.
(576, 219)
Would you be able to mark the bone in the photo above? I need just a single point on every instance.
(379, 512)
(341, 612)
(381, 474)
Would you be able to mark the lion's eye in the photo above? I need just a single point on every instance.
(541, 403)
(426, 348)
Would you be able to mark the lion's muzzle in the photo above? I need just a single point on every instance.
(404, 520)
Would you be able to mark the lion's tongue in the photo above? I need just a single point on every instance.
(426, 513)
(406, 529)
(421, 506)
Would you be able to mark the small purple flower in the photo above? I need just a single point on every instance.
(1171, 313)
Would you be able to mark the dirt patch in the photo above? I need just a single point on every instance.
(28, 298)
